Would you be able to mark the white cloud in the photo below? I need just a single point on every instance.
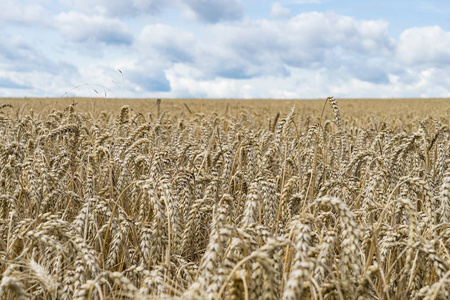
(278, 11)
(81, 28)
(25, 13)
(214, 11)
(424, 46)
(226, 54)
(322, 31)
(165, 42)
(19, 55)
(296, 58)
(209, 11)
(134, 7)
(146, 77)
(303, 1)
(10, 83)
(307, 41)
(119, 8)
(230, 57)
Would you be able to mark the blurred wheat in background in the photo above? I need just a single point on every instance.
(236, 203)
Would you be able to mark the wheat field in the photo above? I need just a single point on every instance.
(201, 199)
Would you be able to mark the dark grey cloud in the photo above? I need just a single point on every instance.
(214, 11)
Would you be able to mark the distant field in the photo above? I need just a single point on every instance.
(349, 107)
(224, 199)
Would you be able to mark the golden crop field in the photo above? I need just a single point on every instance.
(382, 108)
(224, 199)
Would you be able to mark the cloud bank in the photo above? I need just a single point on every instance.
(214, 49)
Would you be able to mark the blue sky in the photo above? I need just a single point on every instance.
(224, 48)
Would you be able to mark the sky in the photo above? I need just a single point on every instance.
(290, 49)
